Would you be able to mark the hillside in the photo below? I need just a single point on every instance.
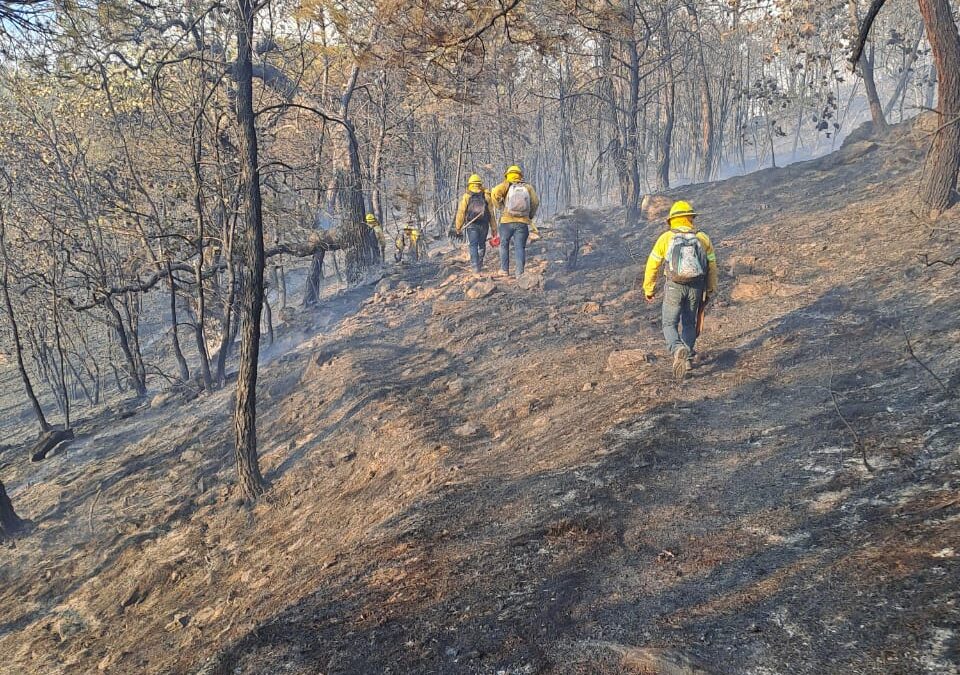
(498, 485)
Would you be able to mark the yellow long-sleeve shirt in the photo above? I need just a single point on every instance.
(499, 195)
(659, 252)
(461, 220)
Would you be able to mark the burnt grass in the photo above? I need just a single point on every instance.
(467, 486)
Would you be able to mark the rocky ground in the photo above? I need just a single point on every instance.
(495, 477)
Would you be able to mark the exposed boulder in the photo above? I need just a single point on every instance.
(481, 289)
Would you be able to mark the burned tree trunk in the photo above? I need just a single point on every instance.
(245, 420)
(866, 63)
(939, 181)
(10, 522)
(174, 323)
(668, 97)
(707, 133)
(48, 441)
(17, 342)
(870, 84)
(364, 253)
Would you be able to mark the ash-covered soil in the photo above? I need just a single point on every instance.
(515, 484)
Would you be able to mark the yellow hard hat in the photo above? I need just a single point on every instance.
(371, 218)
(513, 170)
(475, 180)
(681, 208)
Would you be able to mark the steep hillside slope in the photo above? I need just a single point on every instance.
(515, 484)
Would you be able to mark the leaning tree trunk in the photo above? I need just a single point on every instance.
(248, 468)
(10, 522)
(939, 180)
(17, 342)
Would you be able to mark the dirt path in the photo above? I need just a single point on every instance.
(488, 486)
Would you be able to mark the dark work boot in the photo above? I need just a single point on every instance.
(680, 362)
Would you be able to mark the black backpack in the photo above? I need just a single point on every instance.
(476, 210)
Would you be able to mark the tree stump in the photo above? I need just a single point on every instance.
(48, 441)
(10, 522)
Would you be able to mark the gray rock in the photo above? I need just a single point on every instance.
(530, 282)
(191, 456)
(180, 620)
(68, 624)
(465, 430)
(161, 399)
(481, 289)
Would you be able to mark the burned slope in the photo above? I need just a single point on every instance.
(514, 483)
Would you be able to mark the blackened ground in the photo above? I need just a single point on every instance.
(484, 486)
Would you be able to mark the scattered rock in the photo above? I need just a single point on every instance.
(106, 663)
(590, 308)
(161, 399)
(465, 430)
(530, 282)
(588, 386)
(180, 620)
(481, 289)
(456, 386)
(68, 624)
(191, 456)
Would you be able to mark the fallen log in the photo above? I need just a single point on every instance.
(48, 441)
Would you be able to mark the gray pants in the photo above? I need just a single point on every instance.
(681, 302)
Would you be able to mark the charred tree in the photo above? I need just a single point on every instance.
(873, 98)
(174, 324)
(245, 420)
(707, 133)
(667, 102)
(866, 64)
(15, 332)
(10, 522)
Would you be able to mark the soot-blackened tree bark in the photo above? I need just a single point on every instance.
(668, 99)
(10, 522)
(245, 420)
(15, 330)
